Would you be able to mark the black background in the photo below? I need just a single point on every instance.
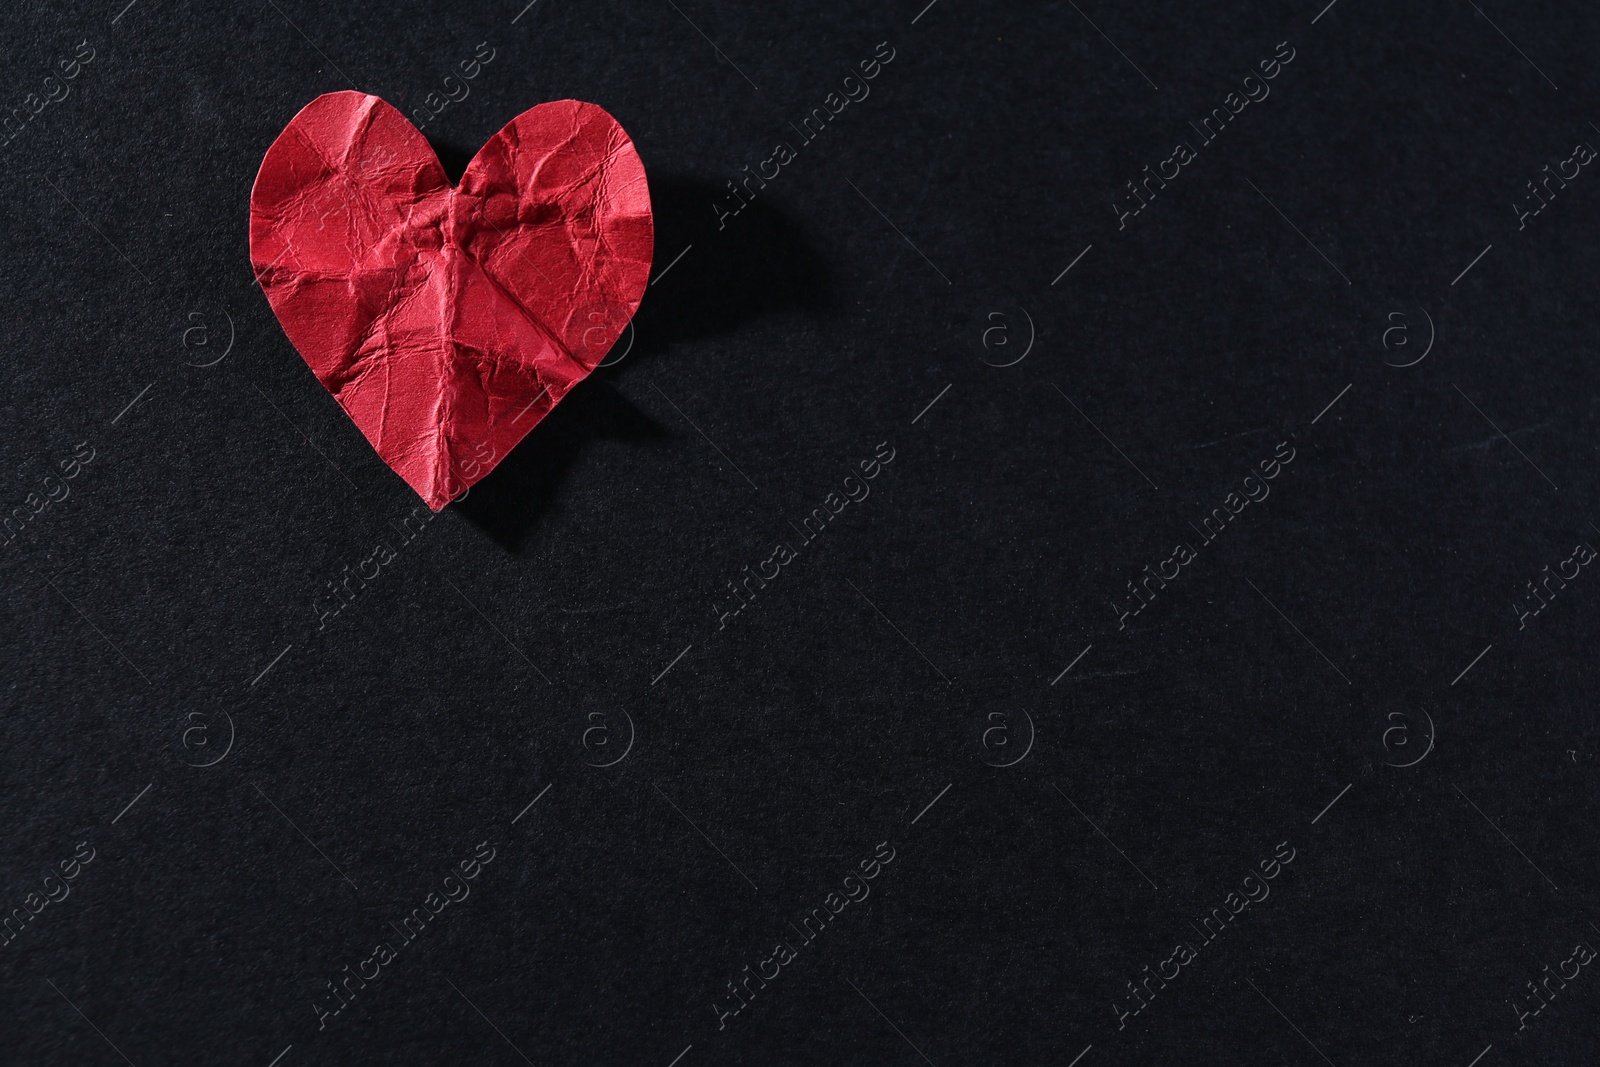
(528, 633)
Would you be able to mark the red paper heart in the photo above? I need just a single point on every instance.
(448, 321)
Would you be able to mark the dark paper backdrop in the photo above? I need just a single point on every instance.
(1323, 786)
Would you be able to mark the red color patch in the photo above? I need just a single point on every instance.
(448, 321)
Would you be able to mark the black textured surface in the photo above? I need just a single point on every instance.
(1353, 639)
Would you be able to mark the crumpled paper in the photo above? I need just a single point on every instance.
(447, 321)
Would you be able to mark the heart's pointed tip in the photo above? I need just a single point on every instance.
(435, 495)
(437, 503)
